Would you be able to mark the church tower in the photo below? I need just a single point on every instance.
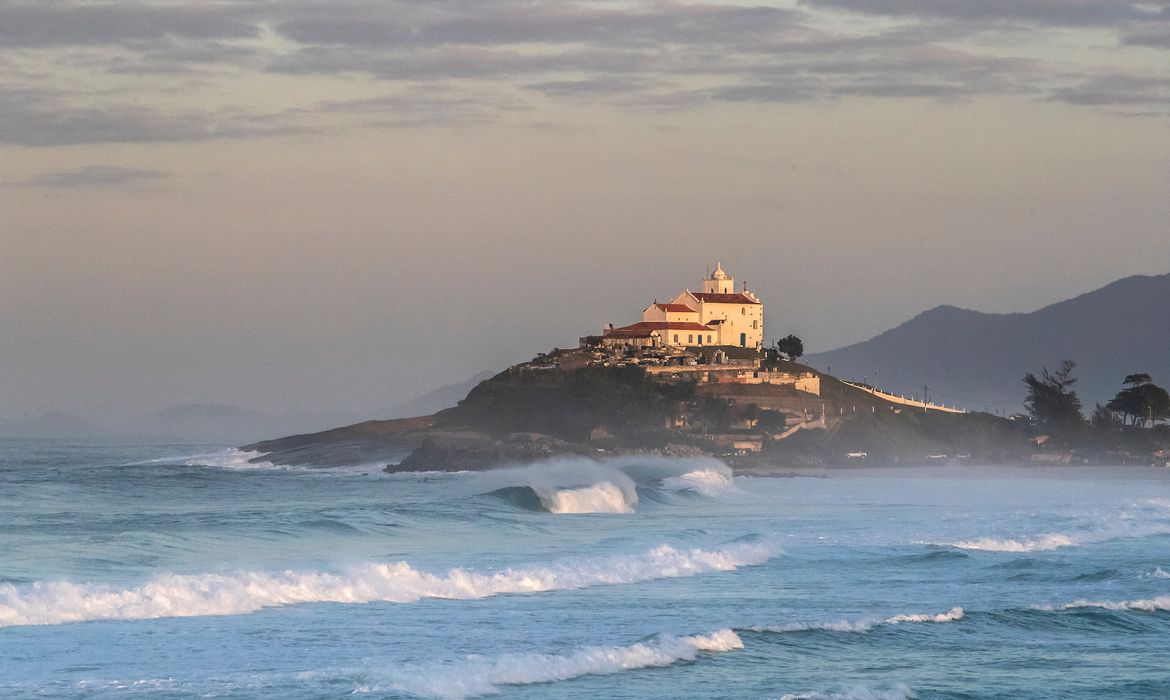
(719, 282)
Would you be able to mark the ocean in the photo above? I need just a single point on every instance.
(184, 571)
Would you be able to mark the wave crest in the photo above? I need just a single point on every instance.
(56, 602)
(604, 497)
(1043, 543)
(477, 676)
(1159, 604)
(953, 615)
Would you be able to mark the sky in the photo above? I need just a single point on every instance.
(334, 206)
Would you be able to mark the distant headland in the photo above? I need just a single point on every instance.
(692, 377)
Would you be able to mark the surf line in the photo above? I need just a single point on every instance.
(178, 595)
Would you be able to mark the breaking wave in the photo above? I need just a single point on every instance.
(857, 692)
(580, 485)
(952, 615)
(1125, 528)
(477, 676)
(1042, 543)
(1159, 604)
(711, 481)
(232, 459)
(56, 602)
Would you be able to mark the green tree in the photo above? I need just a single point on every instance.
(1051, 400)
(1141, 400)
(791, 346)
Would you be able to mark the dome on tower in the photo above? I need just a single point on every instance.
(719, 274)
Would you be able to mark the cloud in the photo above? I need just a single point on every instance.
(455, 62)
(40, 23)
(37, 117)
(92, 176)
(1151, 39)
(1116, 90)
(1064, 13)
(512, 22)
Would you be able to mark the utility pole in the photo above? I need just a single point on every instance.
(925, 397)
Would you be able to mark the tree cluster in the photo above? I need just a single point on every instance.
(1141, 401)
(1055, 407)
(1051, 400)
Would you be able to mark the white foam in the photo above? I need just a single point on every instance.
(477, 676)
(1116, 529)
(952, 615)
(710, 481)
(604, 497)
(1161, 603)
(857, 692)
(1043, 543)
(55, 602)
(233, 459)
(1159, 572)
(565, 485)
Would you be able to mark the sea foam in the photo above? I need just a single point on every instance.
(477, 676)
(952, 615)
(55, 602)
(1124, 526)
(1159, 604)
(1042, 543)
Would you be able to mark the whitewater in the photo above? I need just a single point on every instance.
(184, 571)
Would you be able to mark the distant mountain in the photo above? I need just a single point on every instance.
(976, 359)
(435, 401)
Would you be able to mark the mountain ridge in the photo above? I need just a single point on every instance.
(978, 358)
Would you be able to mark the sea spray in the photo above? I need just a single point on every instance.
(604, 497)
(477, 676)
(56, 602)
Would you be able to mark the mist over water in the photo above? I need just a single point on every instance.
(165, 571)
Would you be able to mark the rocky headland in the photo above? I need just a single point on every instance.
(561, 405)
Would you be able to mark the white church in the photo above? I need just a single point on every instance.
(718, 315)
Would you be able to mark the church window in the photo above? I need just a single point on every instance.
(691, 338)
(755, 324)
(700, 339)
(743, 311)
(676, 338)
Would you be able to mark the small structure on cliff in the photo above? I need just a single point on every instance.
(718, 315)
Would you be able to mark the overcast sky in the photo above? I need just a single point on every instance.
(333, 206)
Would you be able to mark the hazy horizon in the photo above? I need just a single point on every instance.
(312, 207)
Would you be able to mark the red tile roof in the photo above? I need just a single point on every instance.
(712, 298)
(643, 329)
(676, 308)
